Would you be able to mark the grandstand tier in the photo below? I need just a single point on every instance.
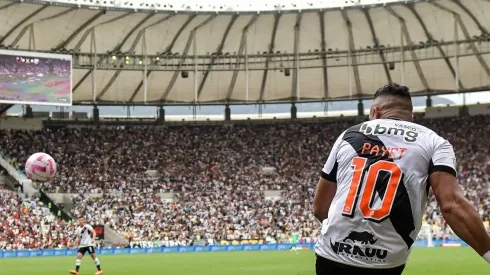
(187, 185)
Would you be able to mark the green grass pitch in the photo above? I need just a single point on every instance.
(424, 261)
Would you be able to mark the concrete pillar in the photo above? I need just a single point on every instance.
(463, 111)
(294, 111)
(360, 108)
(95, 114)
(227, 113)
(29, 112)
(428, 101)
(161, 115)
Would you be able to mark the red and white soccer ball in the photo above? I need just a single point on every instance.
(40, 167)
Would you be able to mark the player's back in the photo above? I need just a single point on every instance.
(381, 169)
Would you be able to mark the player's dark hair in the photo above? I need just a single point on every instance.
(393, 89)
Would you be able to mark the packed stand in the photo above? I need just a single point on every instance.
(216, 174)
(28, 224)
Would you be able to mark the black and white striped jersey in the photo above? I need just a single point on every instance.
(381, 168)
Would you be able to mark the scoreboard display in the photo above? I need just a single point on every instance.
(35, 78)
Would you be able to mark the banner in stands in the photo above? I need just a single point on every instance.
(182, 249)
(99, 232)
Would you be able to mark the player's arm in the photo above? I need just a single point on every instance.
(71, 241)
(325, 191)
(327, 185)
(459, 213)
(456, 209)
(92, 233)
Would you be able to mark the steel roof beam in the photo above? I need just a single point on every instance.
(184, 54)
(118, 48)
(482, 61)
(376, 44)
(431, 38)
(352, 49)
(8, 6)
(240, 52)
(78, 30)
(4, 108)
(87, 32)
(135, 43)
(138, 37)
(324, 53)
(297, 30)
(473, 17)
(410, 44)
(270, 52)
(24, 30)
(81, 80)
(214, 57)
(84, 37)
(32, 14)
(168, 49)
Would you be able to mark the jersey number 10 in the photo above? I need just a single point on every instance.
(368, 193)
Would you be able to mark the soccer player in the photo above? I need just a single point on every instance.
(373, 191)
(86, 234)
(294, 241)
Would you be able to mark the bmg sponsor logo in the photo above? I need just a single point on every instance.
(408, 133)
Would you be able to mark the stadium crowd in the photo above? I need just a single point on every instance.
(27, 223)
(215, 173)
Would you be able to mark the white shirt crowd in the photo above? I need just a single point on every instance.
(215, 173)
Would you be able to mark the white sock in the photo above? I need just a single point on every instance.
(79, 262)
(487, 257)
(96, 261)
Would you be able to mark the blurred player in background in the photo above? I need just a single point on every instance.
(294, 240)
(86, 235)
(374, 187)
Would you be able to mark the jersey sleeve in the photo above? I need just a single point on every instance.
(329, 171)
(443, 159)
(89, 227)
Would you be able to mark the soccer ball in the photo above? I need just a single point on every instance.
(40, 167)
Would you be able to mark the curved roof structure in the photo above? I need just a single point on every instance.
(124, 55)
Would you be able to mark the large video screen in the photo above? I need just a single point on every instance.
(35, 78)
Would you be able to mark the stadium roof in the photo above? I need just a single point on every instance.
(152, 55)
